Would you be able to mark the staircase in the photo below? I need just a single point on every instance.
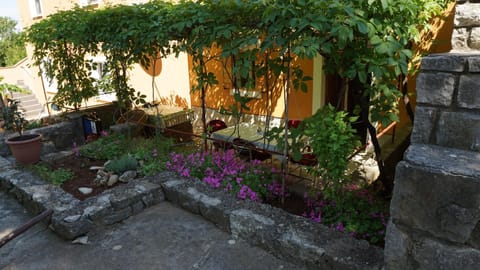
(29, 105)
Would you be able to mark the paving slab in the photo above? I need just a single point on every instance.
(161, 237)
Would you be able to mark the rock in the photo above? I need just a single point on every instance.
(83, 240)
(127, 176)
(96, 168)
(102, 173)
(102, 178)
(85, 190)
(112, 180)
(117, 247)
(71, 219)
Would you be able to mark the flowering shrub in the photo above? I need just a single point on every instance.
(354, 210)
(248, 180)
(357, 212)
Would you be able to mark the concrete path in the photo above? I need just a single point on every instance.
(161, 237)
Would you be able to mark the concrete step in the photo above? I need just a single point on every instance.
(29, 102)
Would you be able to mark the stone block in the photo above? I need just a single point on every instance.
(474, 64)
(469, 91)
(444, 62)
(114, 216)
(435, 88)
(301, 241)
(434, 255)
(460, 39)
(398, 248)
(425, 119)
(467, 15)
(459, 130)
(4, 149)
(474, 39)
(137, 207)
(70, 230)
(170, 189)
(434, 197)
(212, 209)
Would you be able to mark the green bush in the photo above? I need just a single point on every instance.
(106, 147)
(55, 177)
(122, 164)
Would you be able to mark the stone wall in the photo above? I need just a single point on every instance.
(56, 137)
(435, 209)
(466, 34)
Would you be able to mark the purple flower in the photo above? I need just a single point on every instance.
(76, 150)
(185, 173)
(104, 133)
(340, 227)
(154, 152)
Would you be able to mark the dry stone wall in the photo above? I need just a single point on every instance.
(466, 33)
(435, 208)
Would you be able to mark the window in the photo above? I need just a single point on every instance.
(245, 85)
(84, 3)
(100, 74)
(35, 8)
(137, 2)
(98, 67)
(49, 84)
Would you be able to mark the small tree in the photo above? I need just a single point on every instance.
(12, 47)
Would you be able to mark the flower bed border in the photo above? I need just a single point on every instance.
(292, 238)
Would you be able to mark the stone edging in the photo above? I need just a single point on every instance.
(287, 236)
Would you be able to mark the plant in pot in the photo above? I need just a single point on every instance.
(25, 148)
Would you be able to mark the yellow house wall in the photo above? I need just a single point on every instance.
(171, 86)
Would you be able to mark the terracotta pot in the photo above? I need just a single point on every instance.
(26, 148)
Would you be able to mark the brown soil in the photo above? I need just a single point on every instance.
(83, 176)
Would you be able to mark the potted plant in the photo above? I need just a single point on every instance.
(25, 148)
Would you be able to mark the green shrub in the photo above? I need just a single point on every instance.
(106, 147)
(122, 164)
(55, 177)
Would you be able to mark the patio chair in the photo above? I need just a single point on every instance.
(249, 150)
(216, 125)
(307, 159)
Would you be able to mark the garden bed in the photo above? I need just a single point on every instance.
(287, 236)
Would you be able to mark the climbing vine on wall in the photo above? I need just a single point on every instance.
(362, 40)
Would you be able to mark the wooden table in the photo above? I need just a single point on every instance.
(252, 133)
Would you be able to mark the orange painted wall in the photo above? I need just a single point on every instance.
(300, 103)
(437, 40)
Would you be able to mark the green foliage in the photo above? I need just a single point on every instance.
(108, 147)
(332, 140)
(357, 211)
(150, 153)
(60, 49)
(12, 47)
(33, 124)
(122, 164)
(56, 177)
(4, 87)
(13, 117)
(364, 40)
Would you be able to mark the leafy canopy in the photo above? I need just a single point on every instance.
(368, 40)
(12, 47)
